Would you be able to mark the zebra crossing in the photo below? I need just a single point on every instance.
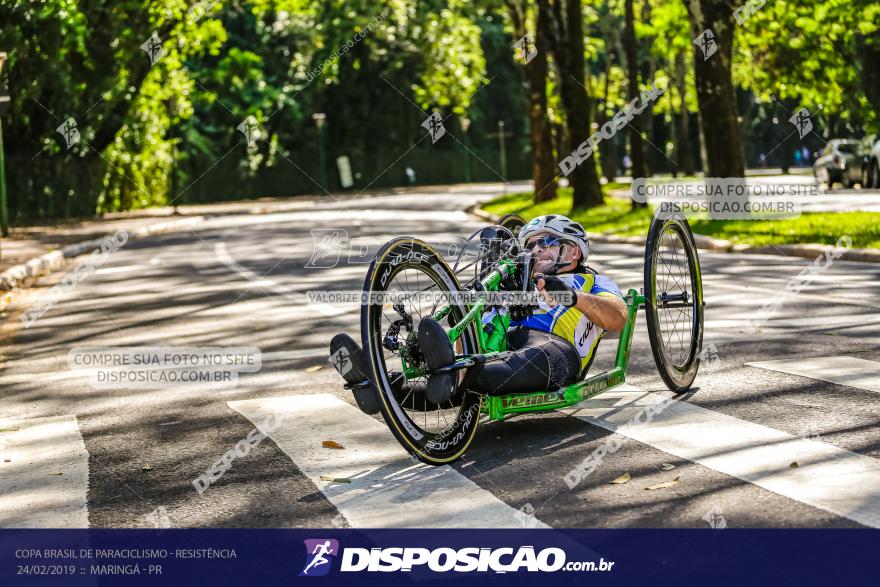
(44, 475)
(850, 371)
(373, 483)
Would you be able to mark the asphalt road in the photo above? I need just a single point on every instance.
(752, 446)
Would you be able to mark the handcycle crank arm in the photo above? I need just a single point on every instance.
(366, 383)
(470, 361)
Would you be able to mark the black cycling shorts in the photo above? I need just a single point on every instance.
(540, 362)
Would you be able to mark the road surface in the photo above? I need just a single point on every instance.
(781, 432)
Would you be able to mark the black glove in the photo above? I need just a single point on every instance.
(561, 293)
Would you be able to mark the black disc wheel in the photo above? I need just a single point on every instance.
(674, 300)
(403, 285)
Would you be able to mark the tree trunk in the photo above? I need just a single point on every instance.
(684, 153)
(607, 148)
(648, 72)
(715, 90)
(636, 143)
(713, 24)
(704, 158)
(566, 40)
(543, 164)
(871, 70)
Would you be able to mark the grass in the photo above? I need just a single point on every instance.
(617, 216)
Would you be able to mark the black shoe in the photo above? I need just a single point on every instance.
(349, 360)
(437, 350)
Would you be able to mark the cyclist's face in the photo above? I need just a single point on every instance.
(546, 250)
(544, 245)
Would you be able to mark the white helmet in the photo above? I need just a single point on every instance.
(558, 225)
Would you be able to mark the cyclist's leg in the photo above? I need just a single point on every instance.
(351, 363)
(545, 362)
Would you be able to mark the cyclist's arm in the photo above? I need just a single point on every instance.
(607, 312)
(603, 304)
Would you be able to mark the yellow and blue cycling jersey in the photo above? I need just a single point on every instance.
(570, 323)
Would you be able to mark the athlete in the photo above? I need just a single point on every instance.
(319, 551)
(552, 347)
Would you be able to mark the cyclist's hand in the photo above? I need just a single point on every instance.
(553, 291)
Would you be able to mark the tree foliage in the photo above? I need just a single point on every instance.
(168, 130)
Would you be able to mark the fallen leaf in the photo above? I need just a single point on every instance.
(793, 465)
(314, 368)
(622, 479)
(335, 479)
(15, 429)
(331, 444)
(147, 467)
(667, 466)
(664, 485)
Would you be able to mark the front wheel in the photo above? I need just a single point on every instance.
(674, 300)
(403, 284)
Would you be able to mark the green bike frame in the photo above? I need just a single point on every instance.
(491, 342)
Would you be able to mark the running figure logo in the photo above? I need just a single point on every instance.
(434, 125)
(801, 121)
(341, 359)
(318, 551)
(328, 244)
(153, 48)
(705, 42)
(526, 47)
(69, 130)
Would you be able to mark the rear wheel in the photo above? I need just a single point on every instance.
(404, 267)
(674, 301)
(512, 222)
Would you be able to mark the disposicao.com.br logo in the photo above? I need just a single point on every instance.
(442, 560)
(318, 553)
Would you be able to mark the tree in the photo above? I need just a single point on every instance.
(84, 61)
(672, 47)
(684, 153)
(566, 40)
(543, 164)
(636, 143)
(713, 24)
(831, 57)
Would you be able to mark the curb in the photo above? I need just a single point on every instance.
(48, 262)
(19, 274)
(708, 243)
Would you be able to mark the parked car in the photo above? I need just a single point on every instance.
(843, 161)
(872, 167)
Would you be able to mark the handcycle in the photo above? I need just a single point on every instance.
(438, 434)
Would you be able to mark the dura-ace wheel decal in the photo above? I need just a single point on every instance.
(458, 434)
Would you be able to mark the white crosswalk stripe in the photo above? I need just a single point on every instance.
(45, 483)
(826, 477)
(387, 489)
(850, 371)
